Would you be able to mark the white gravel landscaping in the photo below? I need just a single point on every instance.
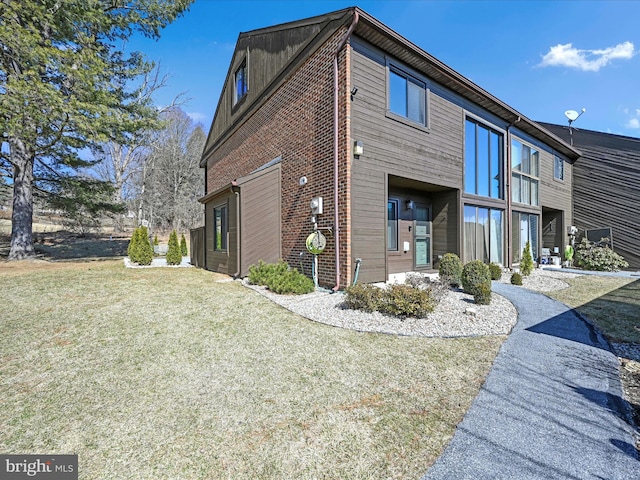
(455, 316)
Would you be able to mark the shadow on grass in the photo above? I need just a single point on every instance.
(61, 246)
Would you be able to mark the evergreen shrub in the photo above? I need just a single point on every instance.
(399, 300)
(598, 256)
(183, 246)
(450, 269)
(140, 250)
(174, 257)
(495, 270)
(483, 294)
(474, 274)
(155, 240)
(363, 296)
(526, 262)
(516, 279)
(279, 278)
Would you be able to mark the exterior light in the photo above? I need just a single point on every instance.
(358, 148)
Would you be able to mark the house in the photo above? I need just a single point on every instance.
(405, 158)
(606, 186)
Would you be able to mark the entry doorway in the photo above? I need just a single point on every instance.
(422, 237)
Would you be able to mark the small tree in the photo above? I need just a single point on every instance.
(526, 263)
(140, 250)
(174, 256)
(183, 246)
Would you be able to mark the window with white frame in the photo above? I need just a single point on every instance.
(525, 168)
(407, 96)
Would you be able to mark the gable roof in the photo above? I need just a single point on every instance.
(291, 43)
(582, 137)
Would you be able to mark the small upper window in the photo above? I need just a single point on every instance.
(558, 169)
(240, 83)
(407, 96)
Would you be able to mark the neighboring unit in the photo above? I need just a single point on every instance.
(411, 159)
(606, 187)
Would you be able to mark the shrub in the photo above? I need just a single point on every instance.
(474, 274)
(155, 240)
(439, 289)
(174, 257)
(183, 246)
(450, 269)
(516, 279)
(526, 263)
(262, 273)
(397, 300)
(495, 270)
(406, 301)
(598, 256)
(279, 278)
(483, 294)
(140, 250)
(363, 296)
(291, 282)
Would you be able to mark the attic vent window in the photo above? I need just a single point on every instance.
(240, 82)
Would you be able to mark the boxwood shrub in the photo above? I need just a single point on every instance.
(474, 274)
(450, 269)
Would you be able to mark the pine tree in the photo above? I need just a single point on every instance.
(174, 256)
(526, 263)
(183, 246)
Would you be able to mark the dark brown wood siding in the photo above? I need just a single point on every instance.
(223, 261)
(606, 182)
(260, 225)
(446, 235)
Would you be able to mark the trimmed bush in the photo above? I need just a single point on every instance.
(474, 274)
(140, 250)
(483, 294)
(516, 279)
(496, 271)
(406, 301)
(450, 269)
(526, 262)
(174, 257)
(279, 278)
(183, 246)
(399, 300)
(363, 296)
(598, 256)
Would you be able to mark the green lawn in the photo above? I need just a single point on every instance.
(167, 373)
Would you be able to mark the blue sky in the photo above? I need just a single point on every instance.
(540, 57)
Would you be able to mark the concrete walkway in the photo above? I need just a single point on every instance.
(551, 407)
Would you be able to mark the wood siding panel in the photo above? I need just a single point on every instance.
(260, 222)
(368, 221)
(445, 225)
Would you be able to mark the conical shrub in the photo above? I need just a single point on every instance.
(140, 250)
(183, 246)
(174, 256)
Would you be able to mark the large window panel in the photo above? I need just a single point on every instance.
(483, 234)
(483, 160)
(525, 167)
(407, 96)
(496, 241)
(524, 229)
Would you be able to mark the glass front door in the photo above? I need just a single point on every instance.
(422, 237)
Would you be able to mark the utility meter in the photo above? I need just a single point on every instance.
(316, 206)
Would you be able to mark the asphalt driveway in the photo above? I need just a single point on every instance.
(551, 406)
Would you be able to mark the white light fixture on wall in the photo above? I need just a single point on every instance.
(358, 148)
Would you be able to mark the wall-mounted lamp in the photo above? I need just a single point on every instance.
(409, 204)
(354, 90)
(358, 148)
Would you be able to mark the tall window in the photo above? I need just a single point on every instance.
(524, 229)
(392, 225)
(240, 82)
(483, 234)
(483, 161)
(525, 165)
(220, 228)
(558, 169)
(407, 96)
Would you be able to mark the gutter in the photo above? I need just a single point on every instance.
(336, 218)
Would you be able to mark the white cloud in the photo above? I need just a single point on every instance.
(586, 60)
(633, 123)
(197, 116)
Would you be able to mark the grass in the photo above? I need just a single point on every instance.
(612, 303)
(167, 373)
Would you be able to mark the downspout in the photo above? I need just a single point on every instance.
(336, 219)
(507, 177)
(237, 193)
